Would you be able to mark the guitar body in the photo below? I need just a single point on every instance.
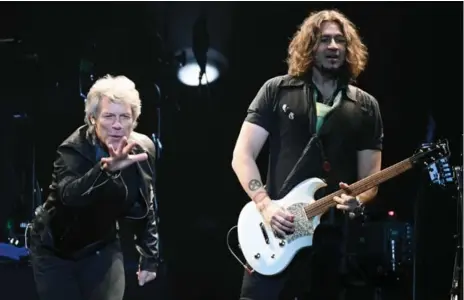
(270, 255)
(266, 253)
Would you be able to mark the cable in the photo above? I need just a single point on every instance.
(26, 239)
(248, 269)
(208, 91)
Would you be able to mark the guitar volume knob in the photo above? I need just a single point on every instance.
(282, 243)
(257, 255)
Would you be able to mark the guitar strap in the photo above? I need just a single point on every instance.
(314, 141)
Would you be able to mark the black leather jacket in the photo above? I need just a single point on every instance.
(79, 216)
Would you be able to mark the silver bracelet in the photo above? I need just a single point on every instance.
(358, 211)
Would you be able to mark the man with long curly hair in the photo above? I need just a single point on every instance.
(319, 125)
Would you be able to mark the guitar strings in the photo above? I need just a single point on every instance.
(328, 202)
(320, 206)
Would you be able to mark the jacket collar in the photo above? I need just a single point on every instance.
(85, 142)
(291, 81)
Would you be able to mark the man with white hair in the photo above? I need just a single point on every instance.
(103, 171)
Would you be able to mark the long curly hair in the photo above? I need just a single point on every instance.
(305, 41)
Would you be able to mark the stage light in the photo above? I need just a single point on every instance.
(391, 213)
(197, 33)
(189, 74)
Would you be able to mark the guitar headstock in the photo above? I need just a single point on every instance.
(442, 173)
(436, 157)
(430, 153)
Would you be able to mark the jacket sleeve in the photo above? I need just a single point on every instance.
(147, 243)
(77, 186)
(147, 233)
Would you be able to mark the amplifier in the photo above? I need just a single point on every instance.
(385, 245)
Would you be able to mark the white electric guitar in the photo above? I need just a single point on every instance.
(268, 254)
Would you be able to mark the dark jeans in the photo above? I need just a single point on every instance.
(312, 275)
(99, 276)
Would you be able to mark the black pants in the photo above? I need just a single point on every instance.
(99, 276)
(312, 275)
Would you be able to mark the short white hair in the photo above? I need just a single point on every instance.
(119, 89)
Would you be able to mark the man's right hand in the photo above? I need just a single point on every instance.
(280, 220)
(120, 158)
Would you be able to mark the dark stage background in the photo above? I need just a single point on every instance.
(414, 70)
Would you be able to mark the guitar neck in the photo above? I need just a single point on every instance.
(326, 202)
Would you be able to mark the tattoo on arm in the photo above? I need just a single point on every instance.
(254, 184)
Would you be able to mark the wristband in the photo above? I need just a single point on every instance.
(358, 211)
(257, 194)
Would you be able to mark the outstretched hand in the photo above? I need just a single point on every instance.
(120, 158)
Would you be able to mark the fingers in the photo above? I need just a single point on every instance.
(121, 146)
(283, 221)
(123, 149)
(128, 148)
(145, 276)
(345, 187)
(142, 276)
(286, 215)
(282, 224)
(343, 207)
(138, 157)
(111, 150)
(339, 200)
(343, 199)
(287, 223)
(277, 231)
(281, 229)
(105, 160)
(346, 202)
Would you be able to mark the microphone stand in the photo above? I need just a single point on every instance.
(156, 138)
(456, 290)
(201, 44)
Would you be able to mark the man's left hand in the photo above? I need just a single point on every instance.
(345, 201)
(145, 276)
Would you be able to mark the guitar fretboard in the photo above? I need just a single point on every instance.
(320, 206)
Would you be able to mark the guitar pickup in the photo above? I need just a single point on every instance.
(263, 230)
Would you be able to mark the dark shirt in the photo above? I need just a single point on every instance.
(285, 107)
